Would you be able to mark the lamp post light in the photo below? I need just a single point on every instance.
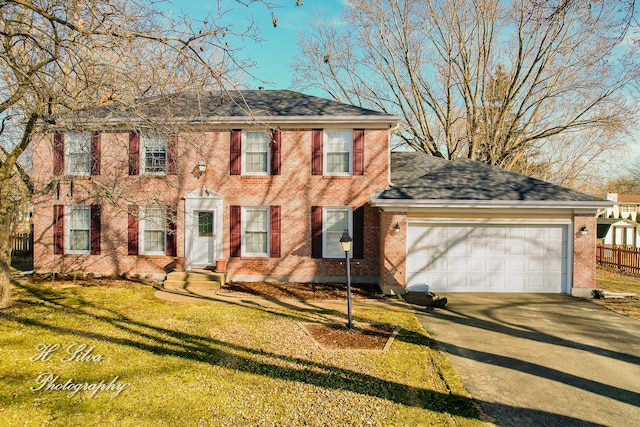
(345, 242)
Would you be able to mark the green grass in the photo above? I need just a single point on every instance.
(616, 281)
(213, 364)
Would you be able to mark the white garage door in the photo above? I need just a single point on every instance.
(487, 258)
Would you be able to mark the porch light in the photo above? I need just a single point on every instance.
(396, 228)
(345, 242)
(202, 166)
(583, 230)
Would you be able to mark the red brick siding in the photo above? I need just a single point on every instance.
(295, 190)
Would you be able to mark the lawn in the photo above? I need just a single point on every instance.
(145, 361)
(612, 280)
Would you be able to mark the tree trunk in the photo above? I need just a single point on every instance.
(6, 214)
(5, 261)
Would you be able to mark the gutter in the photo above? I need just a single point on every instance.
(406, 204)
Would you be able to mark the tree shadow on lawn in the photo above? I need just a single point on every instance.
(163, 341)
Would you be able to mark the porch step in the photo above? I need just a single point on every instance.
(189, 280)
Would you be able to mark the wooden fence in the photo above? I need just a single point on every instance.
(22, 245)
(620, 257)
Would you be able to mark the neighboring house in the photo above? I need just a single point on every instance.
(618, 232)
(198, 177)
(627, 206)
(617, 225)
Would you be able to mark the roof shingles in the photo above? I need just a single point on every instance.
(466, 179)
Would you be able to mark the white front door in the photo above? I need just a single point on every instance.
(204, 237)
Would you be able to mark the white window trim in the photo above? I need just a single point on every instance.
(67, 154)
(144, 138)
(243, 160)
(141, 229)
(244, 216)
(325, 144)
(67, 230)
(325, 253)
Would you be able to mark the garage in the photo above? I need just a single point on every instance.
(467, 257)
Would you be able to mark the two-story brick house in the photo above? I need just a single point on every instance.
(268, 180)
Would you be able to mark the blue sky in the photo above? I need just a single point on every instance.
(276, 52)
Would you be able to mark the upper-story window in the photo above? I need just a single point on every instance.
(628, 209)
(78, 153)
(255, 153)
(154, 153)
(338, 152)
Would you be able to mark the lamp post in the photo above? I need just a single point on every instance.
(345, 242)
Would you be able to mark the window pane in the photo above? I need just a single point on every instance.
(79, 240)
(153, 241)
(256, 231)
(154, 224)
(256, 220)
(335, 222)
(154, 218)
(338, 151)
(79, 223)
(337, 162)
(256, 243)
(255, 162)
(339, 140)
(205, 224)
(155, 152)
(256, 152)
(78, 153)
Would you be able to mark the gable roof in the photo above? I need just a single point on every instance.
(242, 106)
(419, 179)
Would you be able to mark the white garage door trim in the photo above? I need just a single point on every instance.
(489, 256)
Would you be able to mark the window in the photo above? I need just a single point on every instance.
(255, 224)
(153, 230)
(255, 153)
(628, 209)
(154, 153)
(334, 221)
(78, 153)
(338, 152)
(78, 229)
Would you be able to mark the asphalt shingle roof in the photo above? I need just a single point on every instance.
(422, 178)
(223, 106)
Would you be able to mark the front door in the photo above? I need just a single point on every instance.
(203, 238)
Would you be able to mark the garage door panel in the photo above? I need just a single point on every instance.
(497, 258)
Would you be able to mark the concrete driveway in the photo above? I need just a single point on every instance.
(540, 359)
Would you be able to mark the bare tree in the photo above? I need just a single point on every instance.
(506, 83)
(61, 56)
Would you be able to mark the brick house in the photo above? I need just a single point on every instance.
(268, 180)
(284, 174)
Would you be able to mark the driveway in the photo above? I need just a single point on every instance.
(540, 359)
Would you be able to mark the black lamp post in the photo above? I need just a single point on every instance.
(345, 242)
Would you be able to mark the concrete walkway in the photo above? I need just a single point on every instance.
(542, 360)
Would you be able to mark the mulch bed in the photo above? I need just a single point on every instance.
(301, 291)
(339, 337)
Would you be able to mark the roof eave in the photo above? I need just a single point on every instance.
(389, 121)
(486, 204)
